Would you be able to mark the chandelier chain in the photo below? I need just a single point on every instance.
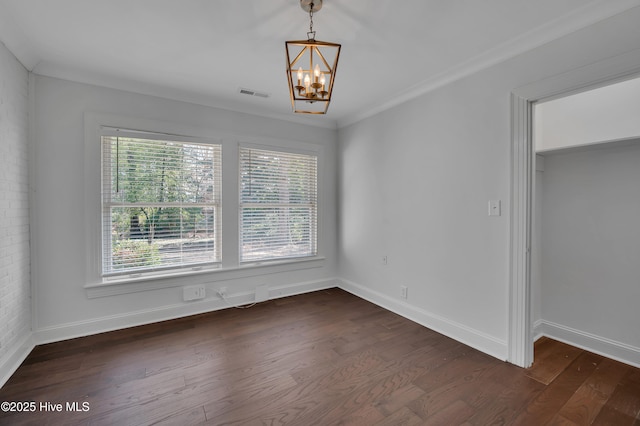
(311, 35)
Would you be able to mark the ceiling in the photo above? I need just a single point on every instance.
(204, 51)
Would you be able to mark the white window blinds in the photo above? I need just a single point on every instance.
(278, 205)
(160, 203)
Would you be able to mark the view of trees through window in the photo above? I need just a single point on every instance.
(278, 204)
(160, 204)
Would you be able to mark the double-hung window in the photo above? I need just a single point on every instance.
(278, 205)
(160, 203)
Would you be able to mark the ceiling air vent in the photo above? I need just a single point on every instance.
(253, 93)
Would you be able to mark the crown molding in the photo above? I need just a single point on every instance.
(143, 88)
(583, 17)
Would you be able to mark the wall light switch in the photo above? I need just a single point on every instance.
(494, 208)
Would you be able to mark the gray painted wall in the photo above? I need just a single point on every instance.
(66, 159)
(590, 215)
(416, 180)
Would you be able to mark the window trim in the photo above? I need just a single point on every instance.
(230, 268)
(168, 270)
(179, 279)
(318, 203)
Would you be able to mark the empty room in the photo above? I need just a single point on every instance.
(319, 212)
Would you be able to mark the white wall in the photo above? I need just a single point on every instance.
(591, 247)
(583, 222)
(415, 181)
(604, 114)
(15, 286)
(414, 189)
(61, 239)
(433, 161)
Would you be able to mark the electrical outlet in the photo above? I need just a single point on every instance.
(193, 292)
(404, 291)
(385, 260)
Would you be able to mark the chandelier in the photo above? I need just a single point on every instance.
(311, 68)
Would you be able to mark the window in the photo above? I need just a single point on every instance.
(278, 205)
(160, 203)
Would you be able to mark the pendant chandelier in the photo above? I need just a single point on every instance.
(311, 68)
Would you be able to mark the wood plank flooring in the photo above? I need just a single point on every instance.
(323, 358)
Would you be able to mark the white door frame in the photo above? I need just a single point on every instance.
(601, 73)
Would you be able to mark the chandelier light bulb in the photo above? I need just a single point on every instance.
(307, 82)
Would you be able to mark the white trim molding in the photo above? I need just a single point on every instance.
(154, 282)
(618, 351)
(12, 360)
(212, 302)
(460, 332)
(520, 342)
(589, 14)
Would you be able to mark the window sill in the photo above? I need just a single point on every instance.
(125, 285)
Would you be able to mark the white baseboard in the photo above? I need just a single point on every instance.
(132, 319)
(590, 342)
(537, 330)
(460, 332)
(467, 335)
(301, 288)
(12, 360)
(606, 347)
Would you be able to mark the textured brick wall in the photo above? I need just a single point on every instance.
(15, 304)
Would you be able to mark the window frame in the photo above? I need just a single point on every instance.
(107, 203)
(97, 286)
(315, 232)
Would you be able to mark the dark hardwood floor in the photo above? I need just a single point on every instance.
(324, 358)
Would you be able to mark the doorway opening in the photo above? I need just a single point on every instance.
(585, 205)
(609, 71)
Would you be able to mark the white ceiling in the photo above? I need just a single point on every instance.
(203, 51)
